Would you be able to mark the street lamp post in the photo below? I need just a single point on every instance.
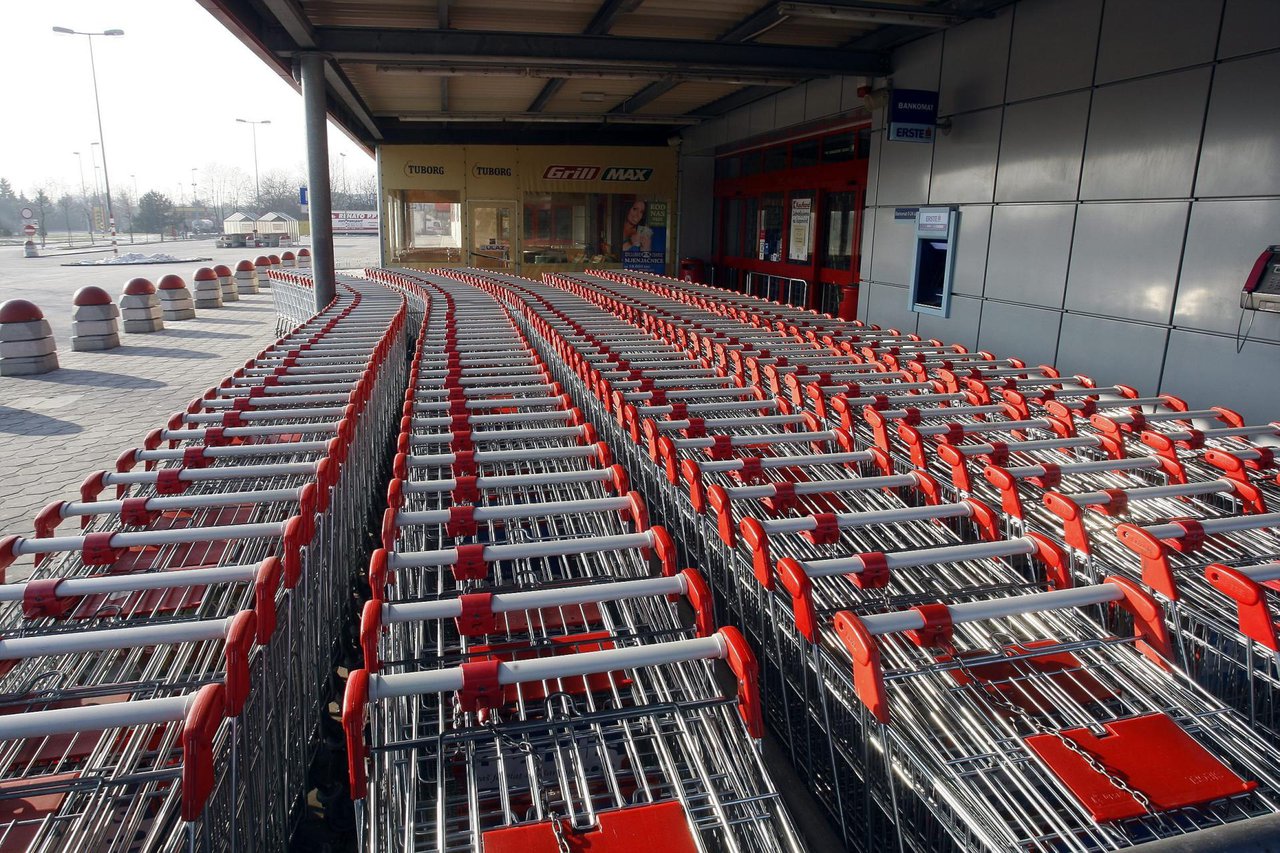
(345, 191)
(84, 196)
(257, 187)
(137, 199)
(106, 176)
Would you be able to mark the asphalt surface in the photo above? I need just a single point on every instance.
(50, 285)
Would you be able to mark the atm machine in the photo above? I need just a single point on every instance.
(934, 261)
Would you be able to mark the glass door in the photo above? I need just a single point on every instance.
(491, 225)
(838, 238)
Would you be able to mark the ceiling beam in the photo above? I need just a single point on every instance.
(467, 48)
(601, 23)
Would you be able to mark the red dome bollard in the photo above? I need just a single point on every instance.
(208, 292)
(27, 347)
(140, 307)
(230, 293)
(176, 302)
(95, 324)
(246, 277)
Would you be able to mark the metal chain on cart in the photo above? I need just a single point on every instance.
(998, 702)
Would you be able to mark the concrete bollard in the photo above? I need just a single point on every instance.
(228, 283)
(304, 259)
(260, 266)
(95, 325)
(246, 277)
(27, 347)
(208, 291)
(140, 307)
(288, 260)
(176, 302)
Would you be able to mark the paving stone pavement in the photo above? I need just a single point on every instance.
(58, 428)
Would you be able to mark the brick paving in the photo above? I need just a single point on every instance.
(58, 428)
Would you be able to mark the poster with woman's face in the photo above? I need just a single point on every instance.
(644, 234)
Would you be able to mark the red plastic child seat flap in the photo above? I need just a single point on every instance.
(1152, 754)
(638, 829)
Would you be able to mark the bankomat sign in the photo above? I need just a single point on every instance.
(913, 115)
(592, 173)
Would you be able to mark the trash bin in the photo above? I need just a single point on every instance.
(692, 269)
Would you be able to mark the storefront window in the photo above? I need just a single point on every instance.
(837, 229)
(804, 154)
(752, 163)
(426, 226)
(770, 232)
(839, 147)
(595, 228)
(775, 159)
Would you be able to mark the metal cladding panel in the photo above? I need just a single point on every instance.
(485, 94)
(394, 14)
(680, 19)
(1054, 44)
(1149, 36)
(868, 244)
(1223, 241)
(851, 100)
(1112, 351)
(1042, 148)
(894, 249)
(1144, 137)
(569, 99)
(822, 97)
(918, 64)
(904, 173)
(1240, 154)
(964, 159)
(1207, 371)
(391, 93)
(888, 308)
(1249, 26)
(763, 115)
(1124, 259)
(553, 16)
(696, 200)
(739, 124)
(864, 302)
(873, 167)
(975, 58)
(1018, 331)
(970, 271)
(960, 328)
(789, 107)
(1030, 246)
(815, 32)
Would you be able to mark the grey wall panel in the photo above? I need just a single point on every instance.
(1112, 351)
(1224, 240)
(971, 249)
(960, 328)
(697, 195)
(888, 308)
(789, 107)
(1240, 154)
(1143, 137)
(763, 115)
(891, 261)
(975, 57)
(868, 244)
(1030, 246)
(739, 124)
(703, 138)
(1124, 260)
(1054, 43)
(849, 97)
(1206, 371)
(1016, 331)
(873, 166)
(864, 302)
(1042, 147)
(822, 97)
(1148, 36)
(1249, 26)
(964, 159)
(918, 64)
(904, 173)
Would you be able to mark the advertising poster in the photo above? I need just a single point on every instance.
(801, 219)
(644, 235)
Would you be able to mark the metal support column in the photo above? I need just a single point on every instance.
(321, 216)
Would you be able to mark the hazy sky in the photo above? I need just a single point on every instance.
(171, 88)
